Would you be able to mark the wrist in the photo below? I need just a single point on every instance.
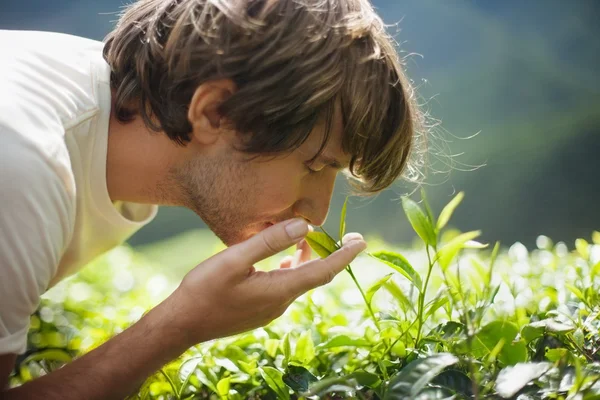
(177, 322)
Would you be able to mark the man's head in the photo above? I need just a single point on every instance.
(261, 92)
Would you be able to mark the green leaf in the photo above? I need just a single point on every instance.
(419, 221)
(434, 305)
(286, 348)
(343, 340)
(488, 338)
(555, 355)
(305, 348)
(582, 247)
(403, 301)
(322, 244)
(343, 219)
(274, 379)
(415, 376)
(375, 287)
(351, 382)
(427, 207)
(223, 387)
(298, 378)
(400, 264)
(512, 379)
(271, 346)
(538, 329)
(447, 253)
(456, 381)
(447, 212)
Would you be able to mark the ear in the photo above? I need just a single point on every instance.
(203, 112)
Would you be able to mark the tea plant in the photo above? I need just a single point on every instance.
(449, 319)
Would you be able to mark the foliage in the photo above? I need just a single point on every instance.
(449, 319)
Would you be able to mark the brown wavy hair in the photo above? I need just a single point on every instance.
(291, 61)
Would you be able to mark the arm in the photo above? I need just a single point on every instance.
(197, 311)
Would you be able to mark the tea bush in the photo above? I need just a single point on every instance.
(450, 318)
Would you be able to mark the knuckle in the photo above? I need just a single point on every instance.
(270, 243)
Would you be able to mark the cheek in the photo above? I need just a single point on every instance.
(278, 187)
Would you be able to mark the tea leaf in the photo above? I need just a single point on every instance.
(538, 329)
(305, 348)
(274, 379)
(448, 210)
(223, 387)
(375, 287)
(343, 219)
(448, 252)
(415, 376)
(427, 207)
(419, 221)
(343, 340)
(400, 264)
(298, 378)
(488, 337)
(512, 379)
(322, 244)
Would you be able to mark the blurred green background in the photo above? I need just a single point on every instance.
(520, 80)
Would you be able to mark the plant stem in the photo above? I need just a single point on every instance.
(349, 269)
(422, 298)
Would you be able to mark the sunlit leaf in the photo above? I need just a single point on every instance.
(448, 210)
(419, 221)
(596, 237)
(274, 379)
(343, 340)
(582, 247)
(305, 348)
(400, 264)
(415, 376)
(427, 207)
(434, 305)
(488, 337)
(223, 387)
(555, 355)
(271, 347)
(322, 244)
(512, 379)
(395, 290)
(448, 252)
(375, 287)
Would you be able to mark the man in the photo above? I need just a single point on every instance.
(242, 110)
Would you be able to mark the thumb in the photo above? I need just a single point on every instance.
(270, 241)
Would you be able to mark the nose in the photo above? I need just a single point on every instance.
(314, 204)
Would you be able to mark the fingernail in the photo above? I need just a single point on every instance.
(297, 229)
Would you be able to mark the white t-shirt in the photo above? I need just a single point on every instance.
(55, 211)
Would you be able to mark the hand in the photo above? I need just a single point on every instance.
(225, 295)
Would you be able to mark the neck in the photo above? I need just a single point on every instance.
(137, 162)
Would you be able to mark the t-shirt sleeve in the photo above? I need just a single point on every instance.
(36, 214)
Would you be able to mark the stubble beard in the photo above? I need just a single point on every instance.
(214, 190)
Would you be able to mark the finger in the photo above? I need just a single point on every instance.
(351, 236)
(286, 262)
(306, 252)
(322, 271)
(268, 242)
